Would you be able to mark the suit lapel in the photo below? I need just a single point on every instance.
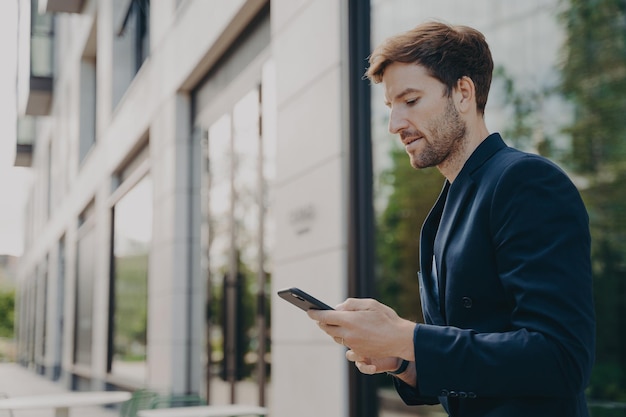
(432, 310)
(458, 196)
(452, 212)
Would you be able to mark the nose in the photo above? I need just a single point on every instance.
(397, 122)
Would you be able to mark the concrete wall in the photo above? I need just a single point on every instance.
(309, 373)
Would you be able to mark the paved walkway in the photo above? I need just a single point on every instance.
(16, 381)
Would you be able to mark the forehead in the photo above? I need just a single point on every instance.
(400, 77)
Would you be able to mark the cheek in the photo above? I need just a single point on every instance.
(424, 112)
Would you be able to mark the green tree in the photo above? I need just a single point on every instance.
(131, 306)
(594, 81)
(525, 130)
(398, 224)
(398, 229)
(7, 312)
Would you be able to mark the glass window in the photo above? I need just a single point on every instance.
(41, 42)
(236, 109)
(138, 22)
(59, 320)
(132, 237)
(593, 78)
(87, 120)
(248, 180)
(42, 315)
(131, 46)
(85, 257)
(559, 89)
(29, 311)
(236, 254)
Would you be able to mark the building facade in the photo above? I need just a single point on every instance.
(152, 243)
(192, 157)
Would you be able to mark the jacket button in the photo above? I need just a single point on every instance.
(462, 394)
(444, 393)
(467, 302)
(453, 394)
(471, 395)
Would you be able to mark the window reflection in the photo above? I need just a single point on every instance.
(84, 288)
(235, 220)
(555, 92)
(247, 183)
(132, 235)
(219, 227)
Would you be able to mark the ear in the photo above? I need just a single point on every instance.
(466, 94)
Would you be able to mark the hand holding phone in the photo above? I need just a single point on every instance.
(303, 300)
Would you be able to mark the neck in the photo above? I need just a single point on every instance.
(474, 136)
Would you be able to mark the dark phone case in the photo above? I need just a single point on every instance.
(303, 300)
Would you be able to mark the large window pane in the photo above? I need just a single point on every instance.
(219, 224)
(594, 80)
(248, 181)
(132, 231)
(558, 90)
(236, 222)
(41, 42)
(84, 290)
(131, 46)
(237, 236)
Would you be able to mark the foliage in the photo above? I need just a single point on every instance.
(131, 292)
(525, 130)
(7, 312)
(397, 240)
(593, 74)
(246, 331)
(594, 80)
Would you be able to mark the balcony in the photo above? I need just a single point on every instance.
(25, 141)
(60, 6)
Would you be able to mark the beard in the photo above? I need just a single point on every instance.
(446, 139)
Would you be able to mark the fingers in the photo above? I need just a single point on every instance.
(339, 340)
(363, 364)
(334, 331)
(352, 356)
(357, 304)
(327, 317)
(365, 368)
(316, 315)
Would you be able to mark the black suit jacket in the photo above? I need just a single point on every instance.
(510, 328)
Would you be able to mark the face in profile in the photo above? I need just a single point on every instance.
(421, 112)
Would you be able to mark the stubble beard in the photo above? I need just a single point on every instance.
(448, 132)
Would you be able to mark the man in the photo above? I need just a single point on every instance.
(505, 275)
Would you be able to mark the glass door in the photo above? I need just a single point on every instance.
(238, 159)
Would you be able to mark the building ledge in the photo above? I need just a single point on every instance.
(39, 96)
(60, 6)
(23, 155)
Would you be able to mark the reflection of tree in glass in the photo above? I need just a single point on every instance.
(7, 312)
(525, 127)
(594, 80)
(131, 307)
(398, 227)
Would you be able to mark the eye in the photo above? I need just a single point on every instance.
(412, 101)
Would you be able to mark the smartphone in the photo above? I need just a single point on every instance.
(303, 300)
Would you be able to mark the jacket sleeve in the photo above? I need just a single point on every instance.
(540, 235)
(411, 395)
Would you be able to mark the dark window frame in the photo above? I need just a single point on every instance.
(363, 400)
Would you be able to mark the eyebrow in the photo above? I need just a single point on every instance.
(403, 93)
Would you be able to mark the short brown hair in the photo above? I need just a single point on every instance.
(447, 52)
